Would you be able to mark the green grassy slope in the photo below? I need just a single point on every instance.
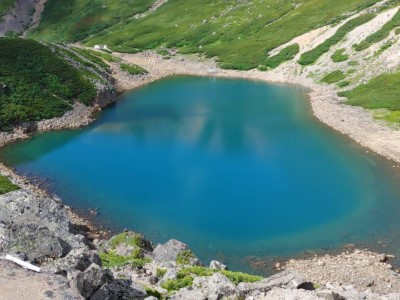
(381, 92)
(240, 34)
(5, 5)
(37, 84)
(74, 20)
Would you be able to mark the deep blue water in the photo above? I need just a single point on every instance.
(233, 168)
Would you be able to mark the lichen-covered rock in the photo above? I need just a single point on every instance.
(35, 226)
(168, 251)
(118, 289)
(288, 279)
(175, 251)
(216, 286)
(92, 279)
(76, 260)
(188, 294)
(99, 284)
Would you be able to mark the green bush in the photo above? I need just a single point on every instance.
(89, 55)
(153, 292)
(343, 83)
(380, 92)
(161, 272)
(196, 270)
(178, 283)
(128, 238)
(339, 56)
(235, 277)
(184, 257)
(6, 185)
(333, 77)
(111, 260)
(381, 34)
(133, 69)
(312, 56)
(287, 53)
(238, 277)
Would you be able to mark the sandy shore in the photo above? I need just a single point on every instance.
(356, 122)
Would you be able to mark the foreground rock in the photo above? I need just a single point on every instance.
(17, 283)
(36, 228)
(362, 270)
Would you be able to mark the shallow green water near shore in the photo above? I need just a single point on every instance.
(237, 169)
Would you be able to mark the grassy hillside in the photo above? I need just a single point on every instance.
(239, 33)
(381, 92)
(75, 20)
(37, 84)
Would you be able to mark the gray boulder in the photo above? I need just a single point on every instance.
(168, 251)
(76, 260)
(175, 251)
(118, 289)
(216, 286)
(35, 226)
(92, 279)
(328, 295)
(188, 294)
(287, 279)
(216, 265)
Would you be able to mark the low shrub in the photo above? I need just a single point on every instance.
(6, 185)
(178, 283)
(339, 56)
(286, 54)
(184, 257)
(312, 56)
(333, 77)
(133, 69)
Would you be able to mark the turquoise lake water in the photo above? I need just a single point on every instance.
(236, 169)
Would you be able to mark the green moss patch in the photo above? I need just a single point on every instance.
(380, 92)
(392, 117)
(184, 257)
(127, 238)
(286, 54)
(178, 283)
(133, 69)
(6, 185)
(235, 277)
(333, 77)
(339, 56)
(111, 260)
(160, 272)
